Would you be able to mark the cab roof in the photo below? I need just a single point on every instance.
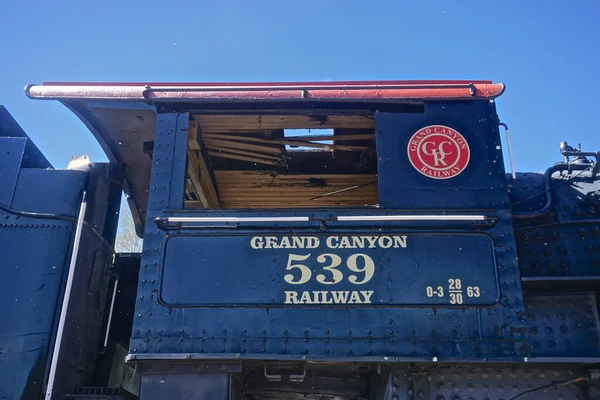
(215, 91)
(122, 115)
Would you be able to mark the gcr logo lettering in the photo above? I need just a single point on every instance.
(438, 152)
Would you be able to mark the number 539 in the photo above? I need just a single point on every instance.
(331, 275)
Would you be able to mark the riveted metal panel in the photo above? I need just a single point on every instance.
(577, 197)
(565, 240)
(461, 270)
(44, 191)
(527, 194)
(560, 250)
(563, 325)
(486, 382)
(396, 333)
(30, 289)
(36, 233)
(35, 253)
(299, 333)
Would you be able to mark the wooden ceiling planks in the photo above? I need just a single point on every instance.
(257, 123)
(263, 189)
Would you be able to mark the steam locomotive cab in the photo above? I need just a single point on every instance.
(289, 263)
(341, 241)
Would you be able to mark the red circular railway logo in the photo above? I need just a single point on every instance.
(438, 152)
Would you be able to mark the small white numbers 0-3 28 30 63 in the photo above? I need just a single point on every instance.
(455, 291)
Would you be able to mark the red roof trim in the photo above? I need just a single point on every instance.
(316, 91)
(267, 84)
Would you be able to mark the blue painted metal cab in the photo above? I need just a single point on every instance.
(365, 232)
(427, 271)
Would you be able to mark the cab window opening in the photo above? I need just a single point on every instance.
(264, 161)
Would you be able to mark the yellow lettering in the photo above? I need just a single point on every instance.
(312, 242)
(358, 242)
(367, 295)
(372, 240)
(324, 298)
(291, 297)
(340, 297)
(344, 243)
(354, 298)
(256, 242)
(285, 243)
(385, 242)
(271, 242)
(315, 298)
(305, 299)
(298, 242)
(332, 242)
(399, 241)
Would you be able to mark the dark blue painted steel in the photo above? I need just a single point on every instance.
(12, 151)
(33, 264)
(38, 210)
(177, 178)
(528, 193)
(33, 158)
(489, 381)
(226, 300)
(563, 325)
(296, 332)
(35, 254)
(46, 191)
(482, 184)
(566, 240)
(396, 278)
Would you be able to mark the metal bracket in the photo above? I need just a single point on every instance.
(296, 378)
(510, 156)
(110, 312)
(270, 377)
(580, 157)
(299, 378)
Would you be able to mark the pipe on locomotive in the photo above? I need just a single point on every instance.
(558, 167)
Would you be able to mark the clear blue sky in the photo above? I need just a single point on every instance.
(546, 52)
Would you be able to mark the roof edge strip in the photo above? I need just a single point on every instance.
(271, 84)
(326, 91)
